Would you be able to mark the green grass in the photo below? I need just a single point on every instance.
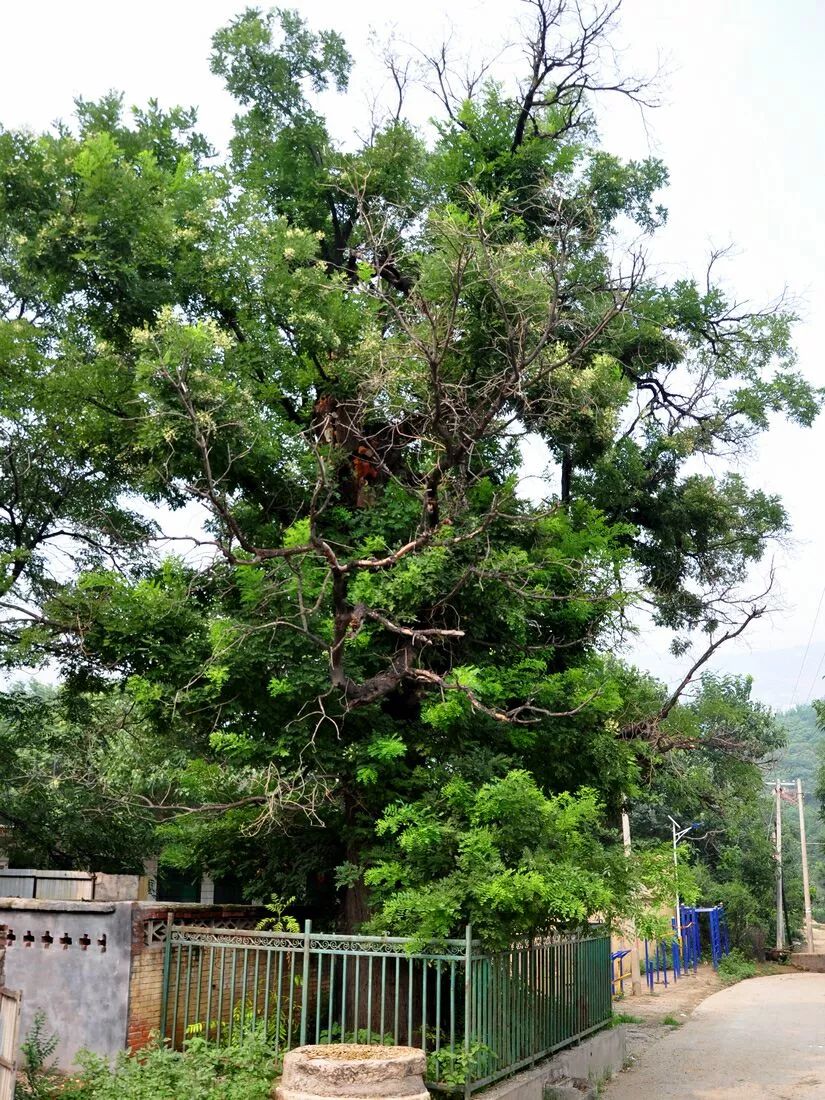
(767, 969)
(671, 1021)
(619, 1018)
(603, 1082)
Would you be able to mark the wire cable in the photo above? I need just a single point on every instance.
(816, 677)
(807, 648)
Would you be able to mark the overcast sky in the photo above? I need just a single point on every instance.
(739, 128)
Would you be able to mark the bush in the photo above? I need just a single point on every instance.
(743, 911)
(203, 1071)
(38, 1075)
(735, 967)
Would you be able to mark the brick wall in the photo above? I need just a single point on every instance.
(148, 941)
(145, 982)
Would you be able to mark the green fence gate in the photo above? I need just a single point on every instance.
(478, 1015)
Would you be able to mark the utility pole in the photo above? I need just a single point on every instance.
(806, 884)
(635, 970)
(780, 915)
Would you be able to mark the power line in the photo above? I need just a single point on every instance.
(808, 646)
(816, 677)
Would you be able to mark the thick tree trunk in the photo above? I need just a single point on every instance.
(356, 908)
(364, 1001)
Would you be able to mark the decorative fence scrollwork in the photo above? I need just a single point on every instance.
(478, 1015)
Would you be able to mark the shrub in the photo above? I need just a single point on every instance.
(203, 1071)
(38, 1074)
(735, 967)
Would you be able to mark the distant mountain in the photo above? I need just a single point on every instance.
(801, 758)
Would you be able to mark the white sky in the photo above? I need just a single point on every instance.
(739, 128)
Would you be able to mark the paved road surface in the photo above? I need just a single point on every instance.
(761, 1038)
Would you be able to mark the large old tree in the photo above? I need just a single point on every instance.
(337, 352)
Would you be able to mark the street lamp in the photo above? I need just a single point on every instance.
(679, 833)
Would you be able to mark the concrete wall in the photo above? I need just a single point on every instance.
(71, 959)
(95, 968)
(814, 963)
(121, 887)
(594, 1058)
(591, 1060)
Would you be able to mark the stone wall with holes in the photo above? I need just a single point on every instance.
(147, 949)
(96, 968)
(71, 960)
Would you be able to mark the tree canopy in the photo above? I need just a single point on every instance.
(338, 350)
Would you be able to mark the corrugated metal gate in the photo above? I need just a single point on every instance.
(9, 1028)
(47, 885)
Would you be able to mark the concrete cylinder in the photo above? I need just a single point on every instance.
(353, 1070)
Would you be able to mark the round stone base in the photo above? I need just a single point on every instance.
(355, 1071)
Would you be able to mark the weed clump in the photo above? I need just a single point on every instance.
(735, 967)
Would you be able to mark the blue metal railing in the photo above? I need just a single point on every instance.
(668, 960)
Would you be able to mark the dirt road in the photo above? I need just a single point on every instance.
(761, 1038)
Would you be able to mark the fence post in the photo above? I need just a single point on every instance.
(305, 983)
(167, 970)
(468, 1004)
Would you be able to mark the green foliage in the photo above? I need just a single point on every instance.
(63, 755)
(362, 1035)
(203, 1071)
(735, 967)
(505, 858)
(454, 1068)
(279, 920)
(800, 757)
(385, 655)
(38, 1078)
(724, 793)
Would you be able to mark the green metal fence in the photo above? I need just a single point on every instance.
(479, 1016)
